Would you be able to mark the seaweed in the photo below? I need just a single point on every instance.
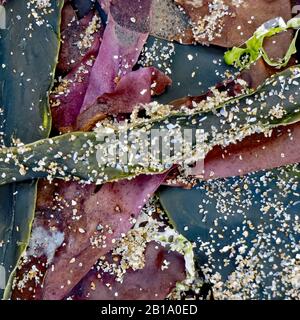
(28, 54)
(77, 154)
(246, 231)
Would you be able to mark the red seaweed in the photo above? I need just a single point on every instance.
(119, 52)
(135, 88)
(153, 282)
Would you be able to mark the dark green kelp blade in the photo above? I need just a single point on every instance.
(183, 205)
(201, 67)
(28, 54)
(75, 154)
(246, 230)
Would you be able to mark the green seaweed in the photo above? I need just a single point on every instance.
(74, 155)
(246, 231)
(28, 55)
(196, 65)
(253, 48)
